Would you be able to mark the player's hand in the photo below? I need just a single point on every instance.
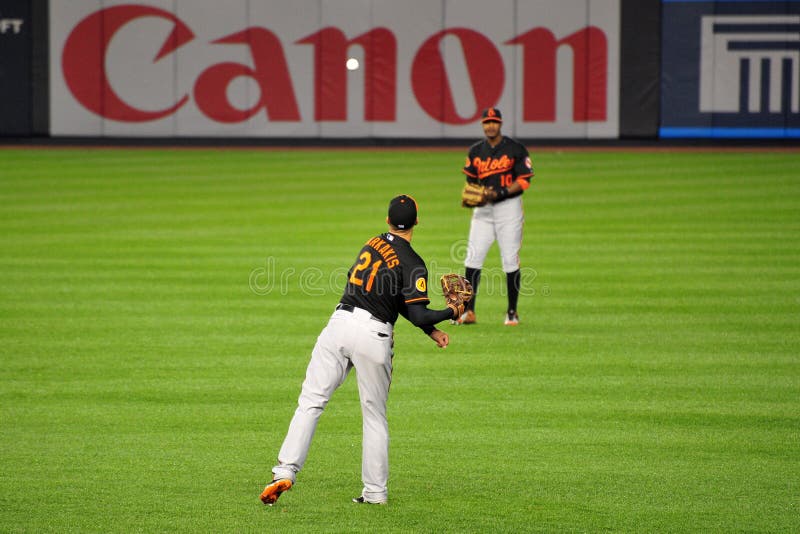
(441, 338)
(495, 195)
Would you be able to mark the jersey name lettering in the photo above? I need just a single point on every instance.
(491, 166)
(385, 250)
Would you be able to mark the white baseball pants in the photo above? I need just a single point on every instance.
(350, 339)
(502, 222)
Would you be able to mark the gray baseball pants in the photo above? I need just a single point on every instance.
(350, 339)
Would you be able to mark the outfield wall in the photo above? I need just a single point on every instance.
(16, 44)
(274, 69)
(730, 69)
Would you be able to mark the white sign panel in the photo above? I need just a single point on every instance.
(345, 69)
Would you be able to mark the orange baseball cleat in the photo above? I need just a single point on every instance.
(274, 490)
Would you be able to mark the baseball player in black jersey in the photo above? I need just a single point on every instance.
(387, 279)
(503, 166)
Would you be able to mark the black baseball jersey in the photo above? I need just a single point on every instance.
(386, 277)
(500, 166)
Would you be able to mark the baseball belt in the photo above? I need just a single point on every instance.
(350, 309)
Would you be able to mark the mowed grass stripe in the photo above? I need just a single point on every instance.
(652, 386)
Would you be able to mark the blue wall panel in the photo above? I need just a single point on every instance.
(730, 69)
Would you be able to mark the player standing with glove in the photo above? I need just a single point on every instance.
(387, 279)
(498, 171)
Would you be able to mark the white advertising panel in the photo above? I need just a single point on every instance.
(345, 69)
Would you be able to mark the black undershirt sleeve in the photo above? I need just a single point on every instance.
(419, 315)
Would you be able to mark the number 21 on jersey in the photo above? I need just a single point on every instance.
(362, 270)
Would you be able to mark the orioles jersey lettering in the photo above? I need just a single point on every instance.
(499, 166)
(489, 166)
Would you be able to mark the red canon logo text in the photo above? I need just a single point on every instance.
(85, 51)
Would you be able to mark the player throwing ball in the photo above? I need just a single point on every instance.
(498, 171)
(387, 279)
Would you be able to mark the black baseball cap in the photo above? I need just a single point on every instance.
(492, 114)
(403, 212)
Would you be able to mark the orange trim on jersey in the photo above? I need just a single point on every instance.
(468, 173)
(419, 299)
(525, 184)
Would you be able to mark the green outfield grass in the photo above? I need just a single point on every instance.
(158, 308)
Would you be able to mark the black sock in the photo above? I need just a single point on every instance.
(474, 277)
(512, 280)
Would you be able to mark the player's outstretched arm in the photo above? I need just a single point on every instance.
(419, 315)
